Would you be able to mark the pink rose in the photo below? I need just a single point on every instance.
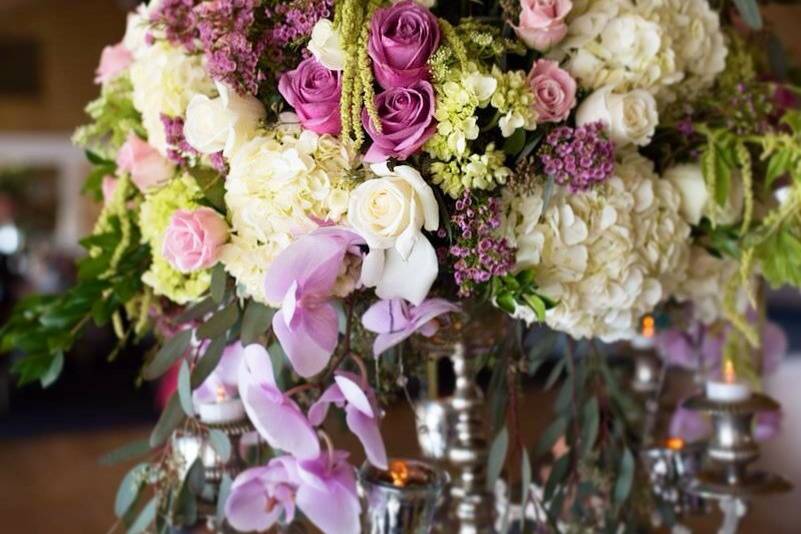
(314, 92)
(113, 61)
(542, 22)
(402, 39)
(194, 238)
(407, 121)
(554, 90)
(148, 168)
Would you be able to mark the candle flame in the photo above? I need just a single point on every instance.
(399, 472)
(222, 395)
(675, 444)
(729, 376)
(648, 326)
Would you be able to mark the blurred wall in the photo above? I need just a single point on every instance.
(71, 34)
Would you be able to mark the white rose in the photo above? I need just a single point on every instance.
(689, 180)
(223, 123)
(630, 117)
(389, 212)
(326, 45)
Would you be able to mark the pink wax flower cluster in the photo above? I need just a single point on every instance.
(314, 92)
(542, 22)
(194, 238)
(554, 91)
(402, 38)
(578, 157)
(148, 169)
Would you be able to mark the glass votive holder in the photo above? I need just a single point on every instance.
(402, 499)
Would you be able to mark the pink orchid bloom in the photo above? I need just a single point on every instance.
(396, 320)
(302, 278)
(324, 489)
(224, 380)
(277, 418)
(354, 394)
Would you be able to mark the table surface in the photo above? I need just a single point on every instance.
(54, 483)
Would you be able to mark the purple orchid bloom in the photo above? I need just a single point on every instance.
(277, 418)
(324, 489)
(352, 393)
(396, 320)
(223, 382)
(689, 425)
(302, 278)
(767, 425)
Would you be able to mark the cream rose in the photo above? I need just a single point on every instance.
(689, 180)
(223, 123)
(630, 117)
(389, 212)
(326, 45)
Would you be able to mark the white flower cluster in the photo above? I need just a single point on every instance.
(164, 80)
(644, 44)
(705, 284)
(607, 256)
(281, 184)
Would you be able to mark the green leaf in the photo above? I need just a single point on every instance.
(220, 443)
(536, 304)
(168, 355)
(54, 371)
(591, 422)
(551, 435)
(208, 362)
(212, 184)
(515, 143)
(222, 497)
(529, 148)
(556, 372)
(126, 452)
(129, 489)
(559, 471)
(497, 456)
(506, 302)
(255, 322)
(547, 193)
(196, 477)
(625, 478)
(220, 322)
(185, 389)
(565, 396)
(749, 10)
(171, 417)
(780, 163)
(525, 478)
(198, 311)
(145, 517)
(219, 280)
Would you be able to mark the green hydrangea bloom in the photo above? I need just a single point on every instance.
(514, 101)
(154, 216)
(477, 171)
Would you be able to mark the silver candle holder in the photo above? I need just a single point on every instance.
(402, 499)
(670, 463)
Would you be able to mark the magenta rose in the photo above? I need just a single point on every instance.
(314, 92)
(407, 121)
(542, 22)
(148, 168)
(554, 90)
(402, 39)
(194, 238)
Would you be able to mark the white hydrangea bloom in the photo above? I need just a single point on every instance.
(164, 80)
(705, 285)
(663, 46)
(607, 256)
(281, 184)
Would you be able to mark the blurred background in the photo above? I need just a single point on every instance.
(50, 440)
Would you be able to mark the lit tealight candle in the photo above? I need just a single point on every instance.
(645, 341)
(225, 410)
(729, 389)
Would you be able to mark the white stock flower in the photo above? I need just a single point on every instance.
(630, 117)
(222, 123)
(389, 212)
(606, 256)
(281, 184)
(164, 80)
(326, 45)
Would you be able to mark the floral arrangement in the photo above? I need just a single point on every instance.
(291, 188)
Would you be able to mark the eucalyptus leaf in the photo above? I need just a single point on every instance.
(749, 10)
(208, 362)
(220, 322)
(525, 478)
(129, 489)
(126, 452)
(255, 322)
(220, 443)
(219, 280)
(185, 389)
(196, 477)
(565, 395)
(145, 517)
(497, 456)
(625, 478)
(168, 355)
(222, 497)
(556, 372)
(547, 193)
(590, 425)
(53, 371)
(551, 435)
(559, 471)
(198, 311)
(171, 417)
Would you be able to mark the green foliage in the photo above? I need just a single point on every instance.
(515, 290)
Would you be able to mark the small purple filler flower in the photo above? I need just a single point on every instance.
(578, 157)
